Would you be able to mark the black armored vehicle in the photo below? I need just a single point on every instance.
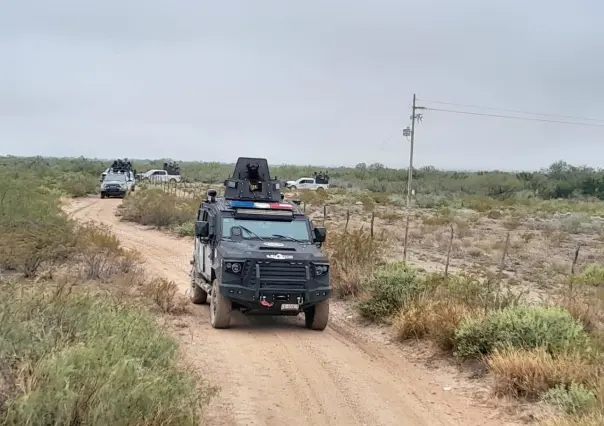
(258, 254)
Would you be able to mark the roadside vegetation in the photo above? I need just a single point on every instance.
(79, 342)
(512, 300)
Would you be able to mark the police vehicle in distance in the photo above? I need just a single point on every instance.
(258, 254)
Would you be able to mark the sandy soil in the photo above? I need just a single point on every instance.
(275, 372)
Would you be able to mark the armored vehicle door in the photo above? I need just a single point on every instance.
(199, 244)
(204, 248)
(209, 246)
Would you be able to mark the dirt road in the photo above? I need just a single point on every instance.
(282, 374)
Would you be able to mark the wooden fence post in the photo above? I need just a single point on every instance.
(347, 220)
(449, 251)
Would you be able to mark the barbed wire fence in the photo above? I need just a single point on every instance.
(348, 216)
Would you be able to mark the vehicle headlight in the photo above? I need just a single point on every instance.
(234, 267)
(321, 270)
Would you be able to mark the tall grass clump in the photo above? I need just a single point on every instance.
(158, 208)
(353, 256)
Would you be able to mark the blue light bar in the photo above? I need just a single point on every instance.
(243, 205)
(254, 205)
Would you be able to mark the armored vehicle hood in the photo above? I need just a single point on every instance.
(278, 250)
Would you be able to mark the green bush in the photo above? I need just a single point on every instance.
(522, 327)
(574, 399)
(593, 275)
(84, 360)
(186, 229)
(77, 184)
(391, 288)
(34, 229)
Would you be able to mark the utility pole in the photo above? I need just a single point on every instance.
(410, 132)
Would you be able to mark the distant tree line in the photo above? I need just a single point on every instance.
(560, 180)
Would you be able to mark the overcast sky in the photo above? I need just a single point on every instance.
(305, 82)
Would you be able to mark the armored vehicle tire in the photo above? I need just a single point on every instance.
(220, 308)
(197, 295)
(320, 188)
(172, 180)
(317, 316)
(102, 195)
(293, 187)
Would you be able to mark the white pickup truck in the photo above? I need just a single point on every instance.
(307, 183)
(160, 176)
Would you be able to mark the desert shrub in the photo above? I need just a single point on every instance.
(186, 229)
(100, 253)
(353, 255)
(77, 184)
(78, 359)
(164, 294)
(593, 275)
(317, 198)
(392, 287)
(158, 208)
(573, 399)
(444, 303)
(35, 232)
(522, 327)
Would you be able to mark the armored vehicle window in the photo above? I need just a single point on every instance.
(266, 229)
(211, 218)
(307, 181)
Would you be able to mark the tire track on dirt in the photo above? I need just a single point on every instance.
(275, 372)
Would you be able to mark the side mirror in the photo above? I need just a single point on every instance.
(202, 229)
(320, 235)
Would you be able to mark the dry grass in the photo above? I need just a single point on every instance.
(158, 208)
(164, 294)
(353, 255)
(436, 320)
(531, 373)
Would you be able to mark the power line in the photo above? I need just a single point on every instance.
(543, 120)
(516, 111)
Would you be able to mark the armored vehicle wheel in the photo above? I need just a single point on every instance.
(197, 295)
(102, 195)
(172, 180)
(320, 188)
(220, 308)
(293, 187)
(317, 316)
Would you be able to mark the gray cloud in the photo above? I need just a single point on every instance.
(306, 82)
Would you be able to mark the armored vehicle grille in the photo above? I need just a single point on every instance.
(282, 274)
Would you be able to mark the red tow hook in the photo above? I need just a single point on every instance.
(266, 304)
